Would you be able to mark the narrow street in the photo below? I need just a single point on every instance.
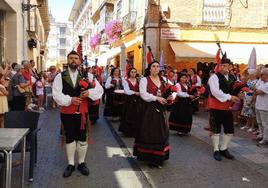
(111, 165)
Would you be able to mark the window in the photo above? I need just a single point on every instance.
(62, 52)
(214, 11)
(119, 10)
(62, 42)
(62, 30)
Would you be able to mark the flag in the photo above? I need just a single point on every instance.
(162, 61)
(252, 62)
(149, 57)
(218, 60)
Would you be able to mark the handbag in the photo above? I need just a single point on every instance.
(26, 92)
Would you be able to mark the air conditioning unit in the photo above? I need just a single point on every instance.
(164, 8)
(32, 43)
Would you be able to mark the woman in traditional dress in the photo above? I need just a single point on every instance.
(113, 105)
(195, 83)
(151, 143)
(181, 115)
(130, 119)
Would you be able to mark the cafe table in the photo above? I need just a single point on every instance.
(9, 140)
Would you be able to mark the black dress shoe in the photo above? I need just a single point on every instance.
(68, 171)
(83, 169)
(226, 154)
(217, 156)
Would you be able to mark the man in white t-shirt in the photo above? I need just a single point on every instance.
(262, 107)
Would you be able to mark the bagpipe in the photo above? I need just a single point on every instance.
(167, 91)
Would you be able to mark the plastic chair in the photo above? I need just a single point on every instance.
(22, 119)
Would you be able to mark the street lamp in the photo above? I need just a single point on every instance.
(27, 7)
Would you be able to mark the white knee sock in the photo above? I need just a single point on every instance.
(82, 151)
(70, 151)
(215, 141)
(226, 138)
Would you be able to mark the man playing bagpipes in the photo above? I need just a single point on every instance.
(72, 93)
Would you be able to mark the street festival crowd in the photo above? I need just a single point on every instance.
(146, 106)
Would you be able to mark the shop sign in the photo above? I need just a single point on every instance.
(170, 33)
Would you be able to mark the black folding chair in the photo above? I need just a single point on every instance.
(22, 119)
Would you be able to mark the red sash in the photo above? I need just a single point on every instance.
(72, 109)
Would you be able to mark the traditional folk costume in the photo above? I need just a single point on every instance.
(151, 143)
(220, 113)
(180, 118)
(114, 101)
(130, 118)
(93, 106)
(195, 82)
(74, 118)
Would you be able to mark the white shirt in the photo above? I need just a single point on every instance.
(108, 82)
(215, 89)
(66, 100)
(262, 100)
(181, 93)
(127, 89)
(198, 81)
(148, 97)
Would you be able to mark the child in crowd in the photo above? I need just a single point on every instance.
(40, 91)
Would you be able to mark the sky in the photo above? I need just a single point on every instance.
(60, 9)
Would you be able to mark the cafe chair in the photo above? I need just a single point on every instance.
(22, 119)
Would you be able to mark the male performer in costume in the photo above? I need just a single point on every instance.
(220, 101)
(68, 93)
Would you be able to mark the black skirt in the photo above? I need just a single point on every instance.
(151, 143)
(93, 111)
(180, 118)
(114, 103)
(131, 116)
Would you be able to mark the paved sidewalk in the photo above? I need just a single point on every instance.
(111, 164)
(108, 166)
(191, 163)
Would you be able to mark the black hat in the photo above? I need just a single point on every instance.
(225, 60)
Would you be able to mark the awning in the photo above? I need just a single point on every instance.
(238, 53)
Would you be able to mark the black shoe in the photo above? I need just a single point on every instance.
(217, 156)
(226, 154)
(68, 171)
(83, 169)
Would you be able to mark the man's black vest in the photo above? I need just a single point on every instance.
(224, 84)
(67, 84)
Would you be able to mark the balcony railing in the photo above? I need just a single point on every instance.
(129, 21)
(214, 13)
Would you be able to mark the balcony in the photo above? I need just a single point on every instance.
(129, 21)
(214, 13)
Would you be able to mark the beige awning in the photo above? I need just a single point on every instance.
(238, 53)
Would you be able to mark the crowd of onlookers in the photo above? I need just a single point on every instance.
(22, 87)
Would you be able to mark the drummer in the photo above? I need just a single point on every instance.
(114, 95)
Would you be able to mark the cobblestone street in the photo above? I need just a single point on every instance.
(111, 165)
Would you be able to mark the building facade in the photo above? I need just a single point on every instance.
(186, 31)
(59, 43)
(24, 27)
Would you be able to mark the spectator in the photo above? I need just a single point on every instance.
(18, 101)
(3, 100)
(262, 107)
(40, 92)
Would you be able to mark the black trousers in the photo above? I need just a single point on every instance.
(220, 118)
(71, 124)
